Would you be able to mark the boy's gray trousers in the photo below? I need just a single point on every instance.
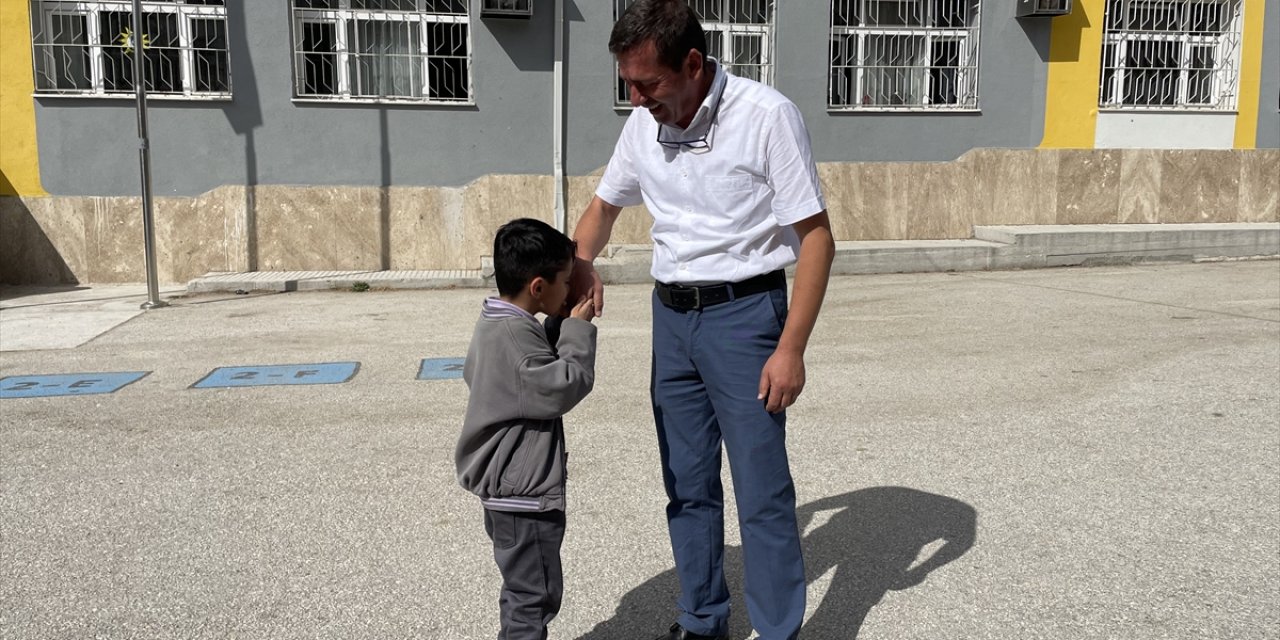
(526, 546)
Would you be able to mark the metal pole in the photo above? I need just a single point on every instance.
(144, 160)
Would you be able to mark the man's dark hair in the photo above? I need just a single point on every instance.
(524, 249)
(670, 24)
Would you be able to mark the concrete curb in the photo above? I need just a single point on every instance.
(994, 247)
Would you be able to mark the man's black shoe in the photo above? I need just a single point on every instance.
(680, 633)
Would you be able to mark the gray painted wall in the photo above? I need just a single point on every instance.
(88, 147)
(1269, 100)
(263, 137)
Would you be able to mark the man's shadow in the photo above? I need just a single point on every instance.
(872, 544)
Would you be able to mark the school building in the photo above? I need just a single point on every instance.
(398, 134)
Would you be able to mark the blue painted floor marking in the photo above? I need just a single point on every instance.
(441, 368)
(68, 384)
(268, 375)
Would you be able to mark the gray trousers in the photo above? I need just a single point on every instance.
(526, 547)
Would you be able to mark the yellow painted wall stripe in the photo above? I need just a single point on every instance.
(1250, 74)
(19, 161)
(1075, 59)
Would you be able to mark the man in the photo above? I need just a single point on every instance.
(723, 164)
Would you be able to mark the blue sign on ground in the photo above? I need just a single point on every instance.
(441, 368)
(69, 384)
(323, 373)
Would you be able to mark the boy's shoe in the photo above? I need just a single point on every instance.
(680, 633)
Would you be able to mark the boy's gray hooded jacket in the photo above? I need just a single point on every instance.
(511, 452)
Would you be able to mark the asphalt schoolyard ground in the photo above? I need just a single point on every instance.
(1063, 453)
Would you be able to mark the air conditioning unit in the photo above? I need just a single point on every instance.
(506, 8)
(1028, 8)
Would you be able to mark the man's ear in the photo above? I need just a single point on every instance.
(693, 63)
(537, 286)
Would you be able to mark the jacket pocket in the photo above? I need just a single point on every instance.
(515, 475)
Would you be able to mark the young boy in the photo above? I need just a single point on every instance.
(511, 452)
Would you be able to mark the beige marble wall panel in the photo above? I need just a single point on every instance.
(231, 201)
(114, 238)
(988, 166)
(28, 254)
(479, 220)
(1139, 186)
(943, 200)
(580, 191)
(1087, 184)
(467, 227)
(840, 190)
(417, 235)
(359, 216)
(1260, 185)
(511, 197)
(1199, 186)
(252, 229)
(480, 209)
(522, 196)
(633, 224)
(195, 236)
(883, 209)
(180, 239)
(316, 228)
(290, 235)
(62, 221)
(100, 239)
(1014, 186)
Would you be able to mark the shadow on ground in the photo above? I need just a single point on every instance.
(872, 543)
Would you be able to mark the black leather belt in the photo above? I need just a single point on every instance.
(682, 298)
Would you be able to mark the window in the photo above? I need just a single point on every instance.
(739, 35)
(86, 48)
(1170, 54)
(904, 54)
(382, 50)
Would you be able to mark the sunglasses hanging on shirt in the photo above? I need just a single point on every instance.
(702, 142)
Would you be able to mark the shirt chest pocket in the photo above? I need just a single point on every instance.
(728, 184)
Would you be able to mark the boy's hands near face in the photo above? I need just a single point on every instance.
(586, 281)
(585, 309)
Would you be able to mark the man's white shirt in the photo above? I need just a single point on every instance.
(720, 213)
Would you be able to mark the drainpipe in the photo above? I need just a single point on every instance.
(557, 121)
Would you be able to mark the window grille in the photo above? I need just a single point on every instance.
(739, 35)
(507, 8)
(86, 48)
(904, 54)
(382, 50)
(1170, 54)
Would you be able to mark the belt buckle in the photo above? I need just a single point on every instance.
(679, 294)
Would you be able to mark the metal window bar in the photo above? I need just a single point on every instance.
(740, 34)
(83, 48)
(382, 50)
(1171, 55)
(904, 55)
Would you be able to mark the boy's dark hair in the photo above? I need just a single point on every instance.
(524, 249)
(670, 24)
